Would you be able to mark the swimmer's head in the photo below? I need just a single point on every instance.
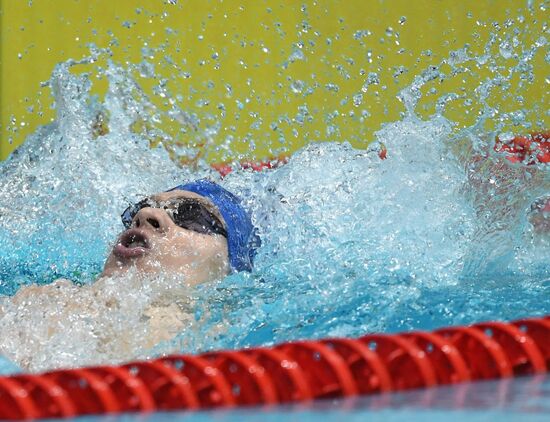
(197, 229)
(242, 238)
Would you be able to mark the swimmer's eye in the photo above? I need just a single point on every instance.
(192, 215)
(187, 213)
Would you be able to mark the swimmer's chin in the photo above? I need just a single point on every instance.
(118, 268)
(120, 265)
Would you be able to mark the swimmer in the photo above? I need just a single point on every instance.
(197, 232)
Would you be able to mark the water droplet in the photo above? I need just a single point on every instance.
(506, 49)
(297, 86)
(361, 34)
(372, 79)
(369, 56)
(541, 41)
(332, 87)
(297, 54)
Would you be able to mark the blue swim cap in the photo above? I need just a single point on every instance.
(242, 237)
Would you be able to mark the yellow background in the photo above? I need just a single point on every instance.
(280, 58)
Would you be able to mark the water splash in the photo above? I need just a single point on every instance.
(440, 232)
(61, 190)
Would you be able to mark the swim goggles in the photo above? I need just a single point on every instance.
(187, 213)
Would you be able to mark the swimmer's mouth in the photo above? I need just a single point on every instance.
(133, 243)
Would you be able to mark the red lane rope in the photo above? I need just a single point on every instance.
(289, 378)
(520, 349)
(325, 371)
(250, 383)
(47, 396)
(294, 371)
(408, 366)
(15, 401)
(446, 360)
(483, 354)
(210, 385)
(530, 149)
(168, 388)
(538, 330)
(131, 392)
(369, 372)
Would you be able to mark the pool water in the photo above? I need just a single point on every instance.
(439, 233)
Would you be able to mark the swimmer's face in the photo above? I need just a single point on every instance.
(154, 243)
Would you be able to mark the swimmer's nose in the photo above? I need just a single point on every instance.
(152, 218)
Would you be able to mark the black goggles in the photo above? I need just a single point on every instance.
(187, 213)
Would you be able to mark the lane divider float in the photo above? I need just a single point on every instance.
(296, 371)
